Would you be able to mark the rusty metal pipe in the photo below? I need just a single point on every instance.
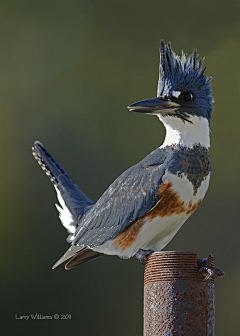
(179, 294)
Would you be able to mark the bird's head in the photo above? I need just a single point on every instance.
(183, 90)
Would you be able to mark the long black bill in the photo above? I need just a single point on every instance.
(154, 106)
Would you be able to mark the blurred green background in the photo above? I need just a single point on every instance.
(68, 70)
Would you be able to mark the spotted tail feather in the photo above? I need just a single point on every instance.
(74, 203)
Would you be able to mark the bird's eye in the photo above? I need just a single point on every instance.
(188, 96)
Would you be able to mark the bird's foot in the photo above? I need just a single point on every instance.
(211, 273)
(142, 255)
(205, 267)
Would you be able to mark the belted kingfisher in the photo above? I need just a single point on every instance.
(145, 206)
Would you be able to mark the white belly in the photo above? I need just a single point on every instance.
(156, 232)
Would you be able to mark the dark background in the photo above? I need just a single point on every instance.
(68, 69)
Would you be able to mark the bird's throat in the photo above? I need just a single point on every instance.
(183, 133)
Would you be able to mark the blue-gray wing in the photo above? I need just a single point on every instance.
(130, 197)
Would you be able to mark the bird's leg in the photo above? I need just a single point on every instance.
(205, 267)
(142, 255)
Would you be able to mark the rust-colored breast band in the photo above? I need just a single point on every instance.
(169, 204)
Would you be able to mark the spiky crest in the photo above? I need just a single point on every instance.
(176, 73)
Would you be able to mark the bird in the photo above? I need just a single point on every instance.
(146, 205)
